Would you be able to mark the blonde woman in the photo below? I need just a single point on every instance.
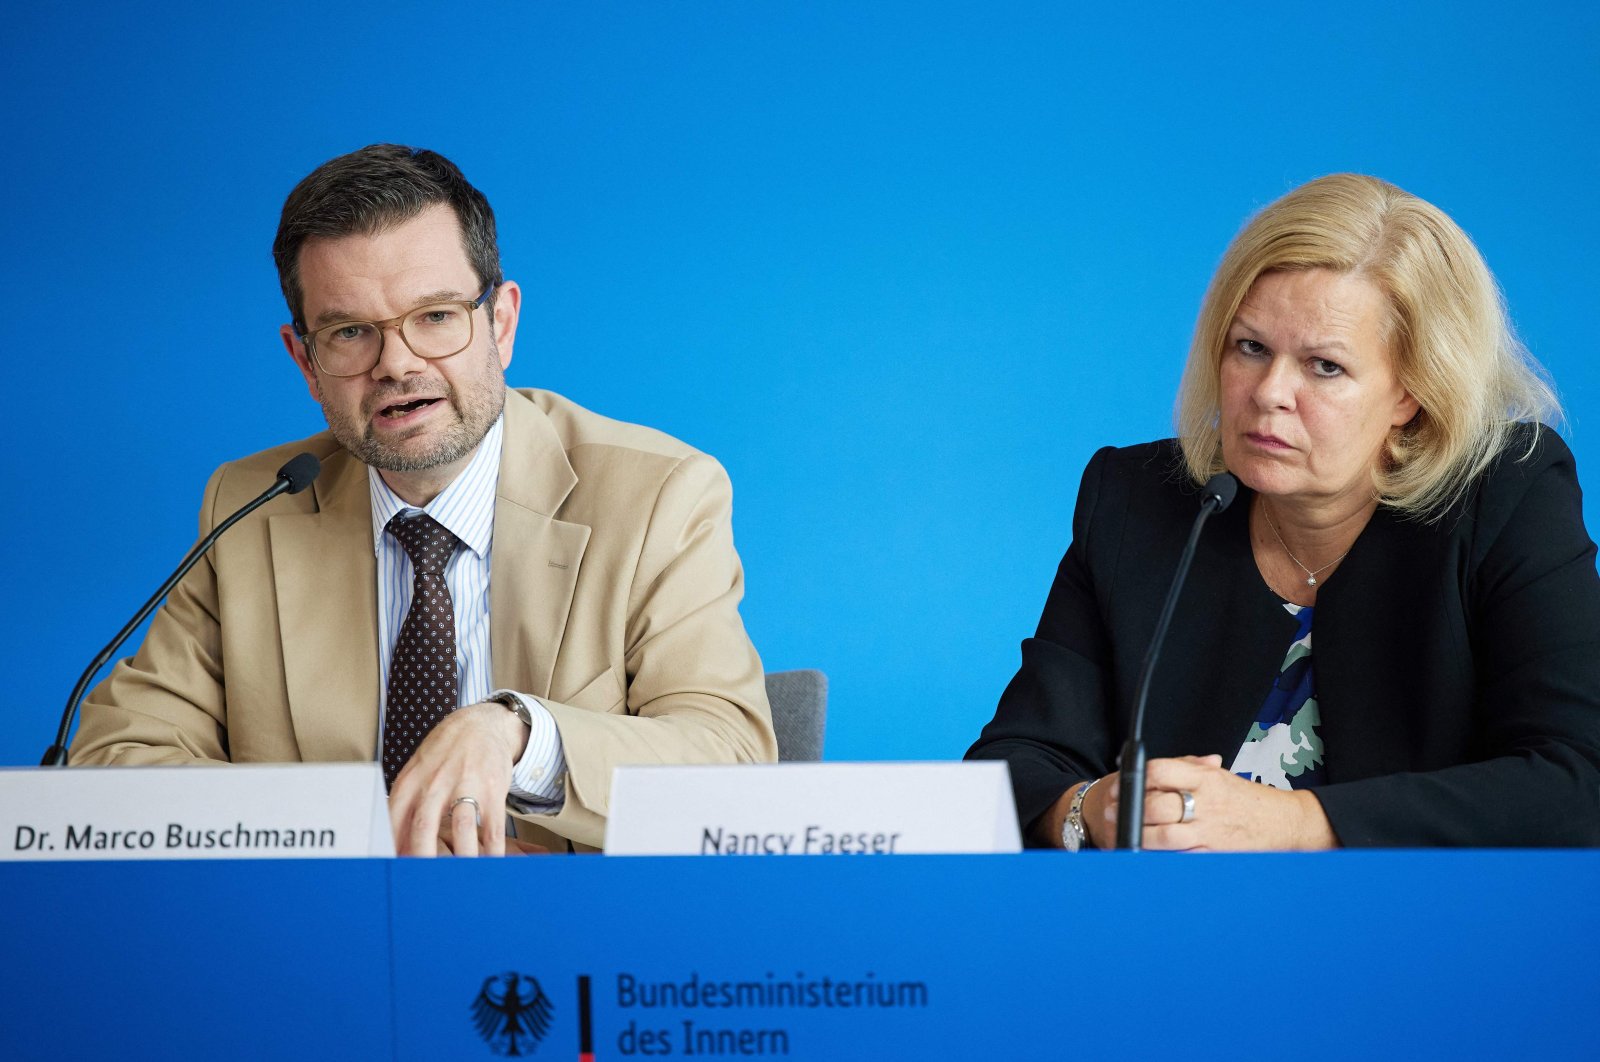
(1392, 637)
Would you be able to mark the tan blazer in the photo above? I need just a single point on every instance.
(614, 598)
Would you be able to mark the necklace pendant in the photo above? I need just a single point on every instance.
(1311, 580)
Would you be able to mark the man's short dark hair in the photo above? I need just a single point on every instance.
(369, 190)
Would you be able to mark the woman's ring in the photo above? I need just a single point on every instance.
(477, 812)
(1188, 805)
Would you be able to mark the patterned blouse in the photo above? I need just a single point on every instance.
(1283, 748)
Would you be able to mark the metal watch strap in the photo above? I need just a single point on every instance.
(514, 704)
(1073, 835)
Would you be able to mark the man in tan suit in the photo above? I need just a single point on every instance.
(591, 573)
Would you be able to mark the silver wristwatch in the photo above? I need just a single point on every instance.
(514, 704)
(1073, 836)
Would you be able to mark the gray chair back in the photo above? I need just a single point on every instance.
(799, 712)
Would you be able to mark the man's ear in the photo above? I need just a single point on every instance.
(302, 359)
(507, 307)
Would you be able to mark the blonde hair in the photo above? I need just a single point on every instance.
(1452, 344)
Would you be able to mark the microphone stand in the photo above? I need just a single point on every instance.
(1219, 493)
(292, 479)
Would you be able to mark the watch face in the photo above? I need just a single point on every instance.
(1072, 834)
(515, 705)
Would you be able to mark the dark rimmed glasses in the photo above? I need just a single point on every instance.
(352, 348)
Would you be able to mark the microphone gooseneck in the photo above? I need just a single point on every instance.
(1215, 496)
(295, 476)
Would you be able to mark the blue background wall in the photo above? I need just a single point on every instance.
(902, 267)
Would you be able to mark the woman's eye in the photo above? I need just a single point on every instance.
(1324, 367)
(1250, 347)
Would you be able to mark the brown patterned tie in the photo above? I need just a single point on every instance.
(422, 672)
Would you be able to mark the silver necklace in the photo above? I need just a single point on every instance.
(1311, 576)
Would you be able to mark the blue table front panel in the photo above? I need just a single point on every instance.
(1385, 954)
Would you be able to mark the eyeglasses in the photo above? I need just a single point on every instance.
(353, 348)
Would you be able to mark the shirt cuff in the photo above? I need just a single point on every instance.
(538, 779)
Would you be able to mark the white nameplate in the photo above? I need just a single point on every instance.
(249, 811)
(813, 809)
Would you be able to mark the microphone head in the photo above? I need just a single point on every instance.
(300, 471)
(1220, 490)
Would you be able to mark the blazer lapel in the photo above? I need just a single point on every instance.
(326, 579)
(1227, 641)
(1371, 645)
(536, 556)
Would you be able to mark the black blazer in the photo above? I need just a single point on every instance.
(1457, 662)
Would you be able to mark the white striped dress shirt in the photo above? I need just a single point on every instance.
(466, 509)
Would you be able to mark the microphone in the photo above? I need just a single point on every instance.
(295, 476)
(301, 471)
(1215, 496)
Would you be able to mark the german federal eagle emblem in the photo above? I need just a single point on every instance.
(512, 1014)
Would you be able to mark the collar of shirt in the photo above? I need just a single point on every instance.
(465, 507)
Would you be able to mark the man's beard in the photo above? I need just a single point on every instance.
(476, 406)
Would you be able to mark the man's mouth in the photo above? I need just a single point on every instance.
(400, 409)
